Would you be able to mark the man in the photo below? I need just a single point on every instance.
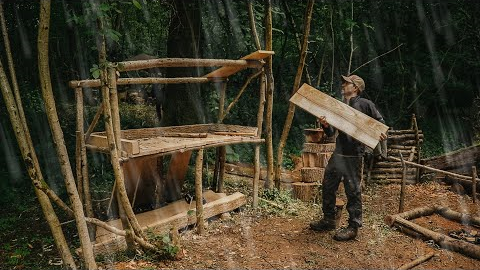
(345, 163)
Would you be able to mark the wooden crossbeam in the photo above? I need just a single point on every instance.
(130, 146)
(341, 116)
(227, 71)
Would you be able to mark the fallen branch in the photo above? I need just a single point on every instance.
(272, 203)
(431, 169)
(417, 261)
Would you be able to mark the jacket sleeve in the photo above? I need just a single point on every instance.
(329, 131)
(381, 148)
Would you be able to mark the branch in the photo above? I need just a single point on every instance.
(253, 27)
(247, 82)
(376, 58)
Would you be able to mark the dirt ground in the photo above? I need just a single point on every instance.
(270, 237)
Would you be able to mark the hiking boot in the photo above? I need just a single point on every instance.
(323, 225)
(345, 234)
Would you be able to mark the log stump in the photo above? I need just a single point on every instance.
(313, 135)
(315, 159)
(312, 174)
(305, 192)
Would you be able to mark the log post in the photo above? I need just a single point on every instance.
(221, 167)
(219, 170)
(198, 192)
(82, 169)
(402, 188)
(474, 184)
(261, 109)
(78, 156)
(417, 140)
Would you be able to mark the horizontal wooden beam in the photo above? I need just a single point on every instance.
(186, 62)
(148, 80)
(130, 146)
(227, 71)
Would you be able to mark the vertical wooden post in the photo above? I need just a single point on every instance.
(112, 86)
(82, 165)
(261, 110)
(115, 127)
(417, 141)
(219, 170)
(474, 184)
(270, 86)
(402, 188)
(198, 191)
(78, 156)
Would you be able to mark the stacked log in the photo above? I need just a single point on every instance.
(315, 156)
(406, 142)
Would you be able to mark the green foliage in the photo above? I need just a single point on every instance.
(164, 241)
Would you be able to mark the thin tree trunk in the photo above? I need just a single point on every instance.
(333, 48)
(66, 169)
(21, 114)
(351, 44)
(124, 208)
(82, 166)
(32, 165)
(269, 92)
(261, 110)
(253, 27)
(293, 25)
(296, 85)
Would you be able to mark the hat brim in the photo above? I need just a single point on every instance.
(347, 79)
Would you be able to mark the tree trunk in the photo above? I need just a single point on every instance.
(124, 208)
(183, 103)
(32, 166)
(291, 106)
(66, 169)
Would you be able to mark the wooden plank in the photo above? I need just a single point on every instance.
(174, 215)
(143, 133)
(227, 71)
(130, 146)
(343, 117)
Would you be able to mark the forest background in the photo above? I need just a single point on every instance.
(426, 61)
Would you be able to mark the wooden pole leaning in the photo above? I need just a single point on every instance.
(198, 192)
(94, 123)
(261, 110)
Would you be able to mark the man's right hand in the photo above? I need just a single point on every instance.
(323, 121)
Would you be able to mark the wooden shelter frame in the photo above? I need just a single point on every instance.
(123, 145)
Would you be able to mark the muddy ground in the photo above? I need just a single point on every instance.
(271, 237)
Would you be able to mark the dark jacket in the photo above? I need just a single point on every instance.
(346, 145)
